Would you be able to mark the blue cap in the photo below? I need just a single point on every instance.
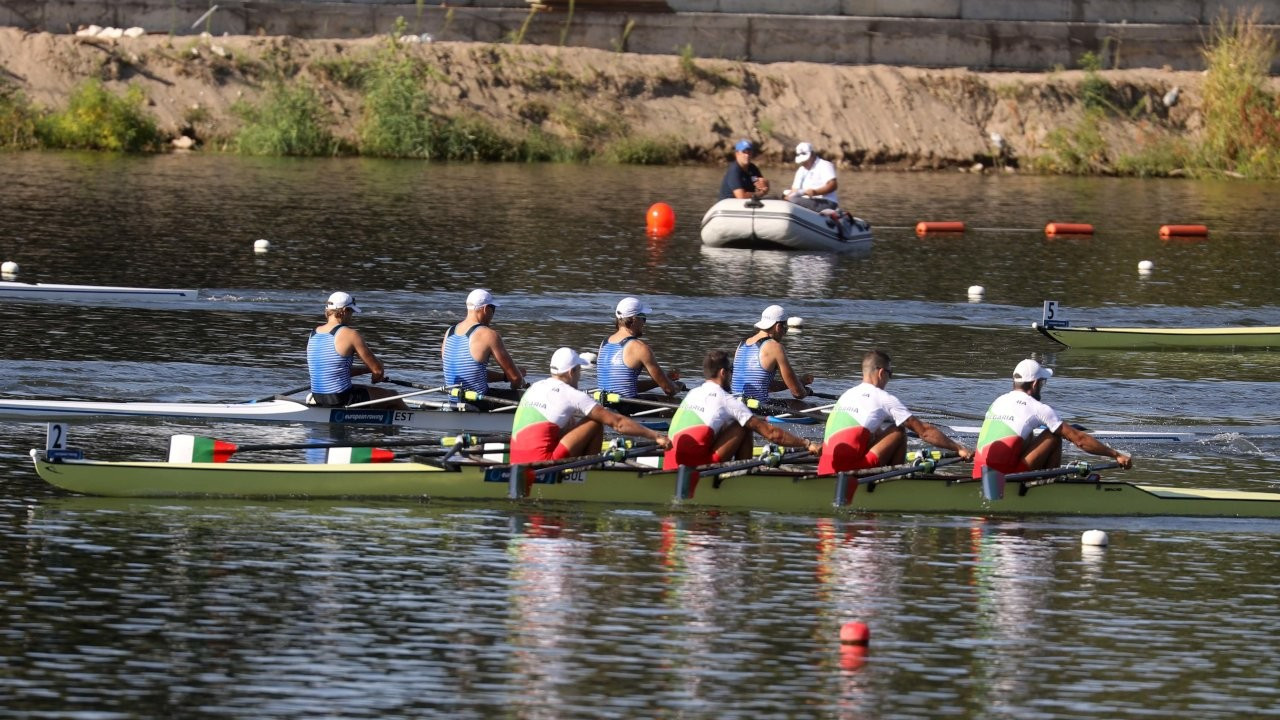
(744, 145)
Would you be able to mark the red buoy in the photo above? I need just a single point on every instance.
(855, 633)
(661, 219)
(1168, 231)
(924, 227)
(1057, 228)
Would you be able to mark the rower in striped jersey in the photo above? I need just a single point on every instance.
(331, 348)
(624, 355)
(761, 357)
(469, 345)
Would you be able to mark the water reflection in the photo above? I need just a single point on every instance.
(790, 274)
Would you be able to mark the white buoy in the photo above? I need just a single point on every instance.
(1096, 538)
(588, 356)
(795, 321)
(9, 267)
(1145, 266)
(261, 246)
(976, 293)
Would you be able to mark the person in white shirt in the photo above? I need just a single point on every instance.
(814, 186)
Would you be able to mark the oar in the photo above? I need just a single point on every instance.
(824, 396)
(993, 481)
(473, 396)
(193, 448)
(294, 391)
(622, 451)
(423, 391)
(419, 386)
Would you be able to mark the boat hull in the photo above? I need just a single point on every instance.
(91, 293)
(279, 410)
(1103, 338)
(771, 491)
(778, 225)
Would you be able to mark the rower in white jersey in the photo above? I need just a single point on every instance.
(331, 348)
(1007, 440)
(761, 357)
(469, 345)
(623, 356)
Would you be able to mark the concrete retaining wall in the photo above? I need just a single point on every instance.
(964, 39)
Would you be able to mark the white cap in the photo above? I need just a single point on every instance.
(480, 298)
(803, 152)
(339, 300)
(1029, 371)
(771, 316)
(630, 307)
(565, 359)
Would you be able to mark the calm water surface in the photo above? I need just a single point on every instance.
(231, 609)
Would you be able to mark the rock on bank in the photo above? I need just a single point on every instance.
(858, 116)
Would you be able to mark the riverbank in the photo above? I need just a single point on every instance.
(542, 102)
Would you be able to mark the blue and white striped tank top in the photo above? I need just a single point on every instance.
(459, 367)
(330, 372)
(750, 379)
(612, 372)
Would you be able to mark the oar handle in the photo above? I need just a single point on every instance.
(772, 458)
(609, 398)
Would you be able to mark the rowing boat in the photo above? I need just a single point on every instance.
(1055, 327)
(438, 418)
(1132, 338)
(90, 293)
(774, 489)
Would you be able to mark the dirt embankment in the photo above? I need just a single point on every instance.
(859, 116)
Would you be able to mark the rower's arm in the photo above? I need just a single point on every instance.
(778, 436)
(626, 426)
(499, 353)
(790, 380)
(1090, 444)
(644, 354)
(376, 370)
(930, 433)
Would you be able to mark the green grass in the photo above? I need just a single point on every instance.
(643, 151)
(1241, 118)
(97, 119)
(396, 119)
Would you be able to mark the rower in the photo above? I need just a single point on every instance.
(555, 420)
(331, 348)
(1006, 440)
(761, 357)
(714, 426)
(468, 346)
(868, 427)
(624, 355)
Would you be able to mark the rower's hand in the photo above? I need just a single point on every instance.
(964, 453)
(377, 377)
(813, 447)
(663, 441)
(1125, 461)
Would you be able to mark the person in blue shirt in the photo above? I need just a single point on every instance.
(743, 179)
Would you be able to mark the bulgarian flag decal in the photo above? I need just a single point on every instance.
(196, 449)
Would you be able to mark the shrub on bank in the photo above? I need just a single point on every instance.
(1241, 119)
(290, 120)
(396, 121)
(97, 119)
(17, 120)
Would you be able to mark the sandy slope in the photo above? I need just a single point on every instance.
(869, 116)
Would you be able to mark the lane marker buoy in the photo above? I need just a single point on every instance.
(261, 246)
(1059, 228)
(1168, 231)
(1095, 538)
(924, 227)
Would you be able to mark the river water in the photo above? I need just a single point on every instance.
(122, 609)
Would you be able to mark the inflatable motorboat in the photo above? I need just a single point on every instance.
(782, 225)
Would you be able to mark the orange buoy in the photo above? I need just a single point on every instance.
(661, 219)
(1168, 231)
(855, 633)
(1057, 228)
(923, 227)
